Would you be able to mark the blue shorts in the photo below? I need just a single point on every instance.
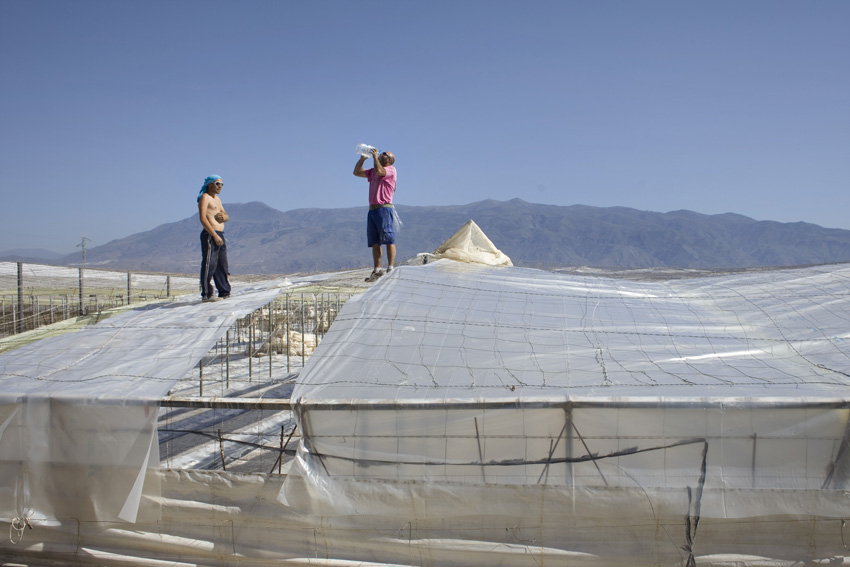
(379, 227)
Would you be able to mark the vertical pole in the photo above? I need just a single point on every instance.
(227, 358)
(271, 334)
(221, 449)
(129, 277)
(316, 317)
(302, 330)
(82, 305)
(480, 452)
(280, 458)
(286, 330)
(20, 326)
(201, 381)
(568, 448)
(167, 286)
(36, 313)
(250, 345)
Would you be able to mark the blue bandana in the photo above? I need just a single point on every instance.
(207, 181)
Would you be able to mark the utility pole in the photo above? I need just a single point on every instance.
(83, 246)
(82, 269)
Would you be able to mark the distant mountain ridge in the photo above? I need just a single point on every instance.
(263, 240)
(29, 255)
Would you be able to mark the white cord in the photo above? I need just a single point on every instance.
(18, 525)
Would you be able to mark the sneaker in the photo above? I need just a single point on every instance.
(373, 277)
(210, 299)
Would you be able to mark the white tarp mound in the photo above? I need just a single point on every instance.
(470, 244)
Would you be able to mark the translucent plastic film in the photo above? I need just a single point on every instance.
(476, 375)
(78, 411)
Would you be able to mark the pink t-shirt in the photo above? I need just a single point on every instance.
(381, 189)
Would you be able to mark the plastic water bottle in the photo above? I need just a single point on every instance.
(364, 150)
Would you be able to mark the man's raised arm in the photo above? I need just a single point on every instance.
(358, 169)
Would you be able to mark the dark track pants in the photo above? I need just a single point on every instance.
(214, 265)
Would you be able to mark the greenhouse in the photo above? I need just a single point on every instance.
(460, 413)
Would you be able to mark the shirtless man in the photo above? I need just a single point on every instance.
(213, 248)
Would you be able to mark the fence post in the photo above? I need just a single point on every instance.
(82, 304)
(20, 325)
(129, 277)
(167, 286)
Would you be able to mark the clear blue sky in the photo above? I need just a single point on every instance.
(113, 112)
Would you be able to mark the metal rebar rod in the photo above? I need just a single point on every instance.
(20, 326)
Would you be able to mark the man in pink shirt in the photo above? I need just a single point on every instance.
(379, 221)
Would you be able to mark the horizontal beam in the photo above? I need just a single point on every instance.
(384, 405)
(228, 403)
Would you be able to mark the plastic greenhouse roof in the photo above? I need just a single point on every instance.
(450, 332)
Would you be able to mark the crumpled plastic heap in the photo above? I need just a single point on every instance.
(470, 244)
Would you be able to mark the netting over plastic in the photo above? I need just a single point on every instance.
(457, 332)
(463, 415)
(470, 374)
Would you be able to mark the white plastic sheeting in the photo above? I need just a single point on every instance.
(733, 390)
(78, 411)
(466, 415)
(213, 519)
(470, 244)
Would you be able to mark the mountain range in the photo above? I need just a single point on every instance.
(263, 240)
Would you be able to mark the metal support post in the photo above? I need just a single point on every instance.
(20, 326)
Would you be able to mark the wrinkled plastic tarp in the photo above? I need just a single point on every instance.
(464, 373)
(470, 244)
(78, 412)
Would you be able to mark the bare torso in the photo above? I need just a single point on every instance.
(210, 206)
